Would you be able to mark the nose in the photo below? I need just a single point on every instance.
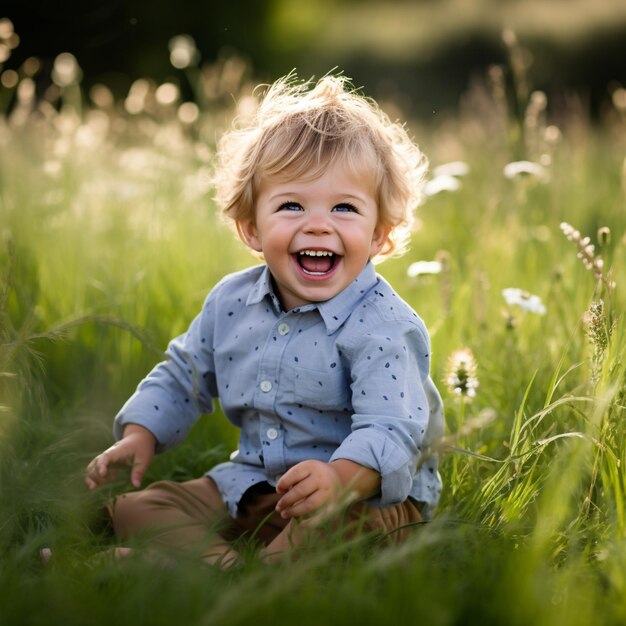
(317, 222)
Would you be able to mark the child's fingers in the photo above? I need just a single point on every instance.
(96, 476)
(292, 477)
(101, 469)
(301, 507)
(135, 450)
(109, 458)
(102, 465)
(139, 468)
(286, 504)
(98, 469)
(304, 498)
(294, 492)
(310, 504)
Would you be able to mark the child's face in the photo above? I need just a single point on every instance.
(316, 235)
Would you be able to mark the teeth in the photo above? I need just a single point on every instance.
(315, 253)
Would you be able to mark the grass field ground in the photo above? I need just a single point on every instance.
(110, 242)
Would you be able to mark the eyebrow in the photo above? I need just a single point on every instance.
(296, 195)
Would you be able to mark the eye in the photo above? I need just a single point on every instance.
(345, 208)
(290, 206)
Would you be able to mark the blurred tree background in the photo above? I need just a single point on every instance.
(421, 55)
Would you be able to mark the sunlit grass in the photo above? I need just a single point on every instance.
(110, 242)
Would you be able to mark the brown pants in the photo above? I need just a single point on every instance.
(192, 516)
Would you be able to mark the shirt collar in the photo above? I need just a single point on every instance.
(335, 311)
(263, 287)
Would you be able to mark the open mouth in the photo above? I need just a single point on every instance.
(317, 262)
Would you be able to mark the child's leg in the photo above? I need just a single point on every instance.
(257, 514)
(395, 523)
(183, 516)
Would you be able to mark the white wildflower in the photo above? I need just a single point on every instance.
(453, 168)
(524, 168)
(445, 182)
(423, 267)
(524, 300)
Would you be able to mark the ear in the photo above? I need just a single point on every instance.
(250, 234)
(380, 238)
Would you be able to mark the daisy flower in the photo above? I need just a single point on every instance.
(524, 300)
(524, 168)
(423, 267)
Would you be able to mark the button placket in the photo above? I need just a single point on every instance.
(272, 353)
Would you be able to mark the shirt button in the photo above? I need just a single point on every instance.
(283, 329)
(272, 433)
(266, 386)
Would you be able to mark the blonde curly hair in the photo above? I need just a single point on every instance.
(299, 129)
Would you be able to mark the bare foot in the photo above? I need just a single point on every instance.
(45, 554)
(120, 553)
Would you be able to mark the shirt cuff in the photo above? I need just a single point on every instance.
(166, 419)
(396, 467)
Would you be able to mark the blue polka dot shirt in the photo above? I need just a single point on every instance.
(347, 378)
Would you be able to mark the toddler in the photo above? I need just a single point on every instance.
(313, 356)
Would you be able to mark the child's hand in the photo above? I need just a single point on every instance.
(136, 449)
(310, 487)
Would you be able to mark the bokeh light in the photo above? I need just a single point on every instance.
(66, 70)
(167, 94)
(9, 79)
(183, 51)
(188, 112)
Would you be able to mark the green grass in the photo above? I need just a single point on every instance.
(110, 242)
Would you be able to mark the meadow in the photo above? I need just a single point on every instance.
(110, 241)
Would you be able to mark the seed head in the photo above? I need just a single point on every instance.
(461, 374)
(598, 330)
(596, 325)
(587, 254)
(604, 236)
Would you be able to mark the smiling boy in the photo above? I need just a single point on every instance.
(313, 356)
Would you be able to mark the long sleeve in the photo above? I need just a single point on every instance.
(168, 401)
(389, 366)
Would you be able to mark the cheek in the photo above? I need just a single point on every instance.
(276, 240)
(368, 240)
